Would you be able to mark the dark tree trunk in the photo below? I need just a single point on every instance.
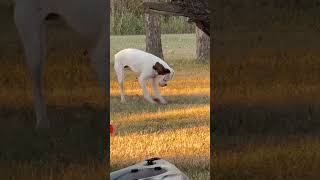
(153, 33)
(203, 45)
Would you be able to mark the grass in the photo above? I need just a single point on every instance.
(266, 102)
(264, 158)
(178, 132)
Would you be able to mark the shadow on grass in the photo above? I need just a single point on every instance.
(260, 157)
(270, 141)
(160, 126)
(136, 104)
(54, 170)
(158, 122)
(279, 118)
(141, 117)
(76, 135)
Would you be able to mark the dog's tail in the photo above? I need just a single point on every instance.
(118, 67)
(116, 62)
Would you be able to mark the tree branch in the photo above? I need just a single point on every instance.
(196, 10)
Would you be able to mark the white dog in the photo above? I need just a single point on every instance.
(87, 17)
(147, 66)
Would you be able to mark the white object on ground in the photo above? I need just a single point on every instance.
(150, 169)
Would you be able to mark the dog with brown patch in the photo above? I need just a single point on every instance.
(148, 66)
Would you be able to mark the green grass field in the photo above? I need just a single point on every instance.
(179, 131)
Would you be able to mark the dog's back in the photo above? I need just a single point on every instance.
(136, 59)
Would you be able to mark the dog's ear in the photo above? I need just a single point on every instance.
(161, 70)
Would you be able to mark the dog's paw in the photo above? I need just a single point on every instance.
(156, 100)
(164, 102)
(160, 101)
(151, 100)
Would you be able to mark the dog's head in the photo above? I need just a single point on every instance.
(164, 73)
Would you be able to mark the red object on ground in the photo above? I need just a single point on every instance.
(111, 128)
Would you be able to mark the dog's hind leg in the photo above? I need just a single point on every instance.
(32, 33)
(157, 92)
(120, 76)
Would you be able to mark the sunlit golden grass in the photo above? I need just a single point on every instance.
(177, 113)
(187, 148)
(179, 131)
(162, 120)
(74, 83)
(178, 88)
(181, 142)
(260, 75)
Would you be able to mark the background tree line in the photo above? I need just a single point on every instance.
(127, 17)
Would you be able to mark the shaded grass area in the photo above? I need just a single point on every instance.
(266, 106)
(179, 131)
(74, 146)
(46, 171)
(294, 157)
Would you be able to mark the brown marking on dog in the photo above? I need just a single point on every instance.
(161, 70)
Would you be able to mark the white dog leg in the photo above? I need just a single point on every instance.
(32, 33)
(146, 95)
(156, 91)
(120, 76)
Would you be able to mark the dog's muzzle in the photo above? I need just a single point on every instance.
(162, 85)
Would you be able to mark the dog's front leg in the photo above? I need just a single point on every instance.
(146, 95)
(156, 91)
